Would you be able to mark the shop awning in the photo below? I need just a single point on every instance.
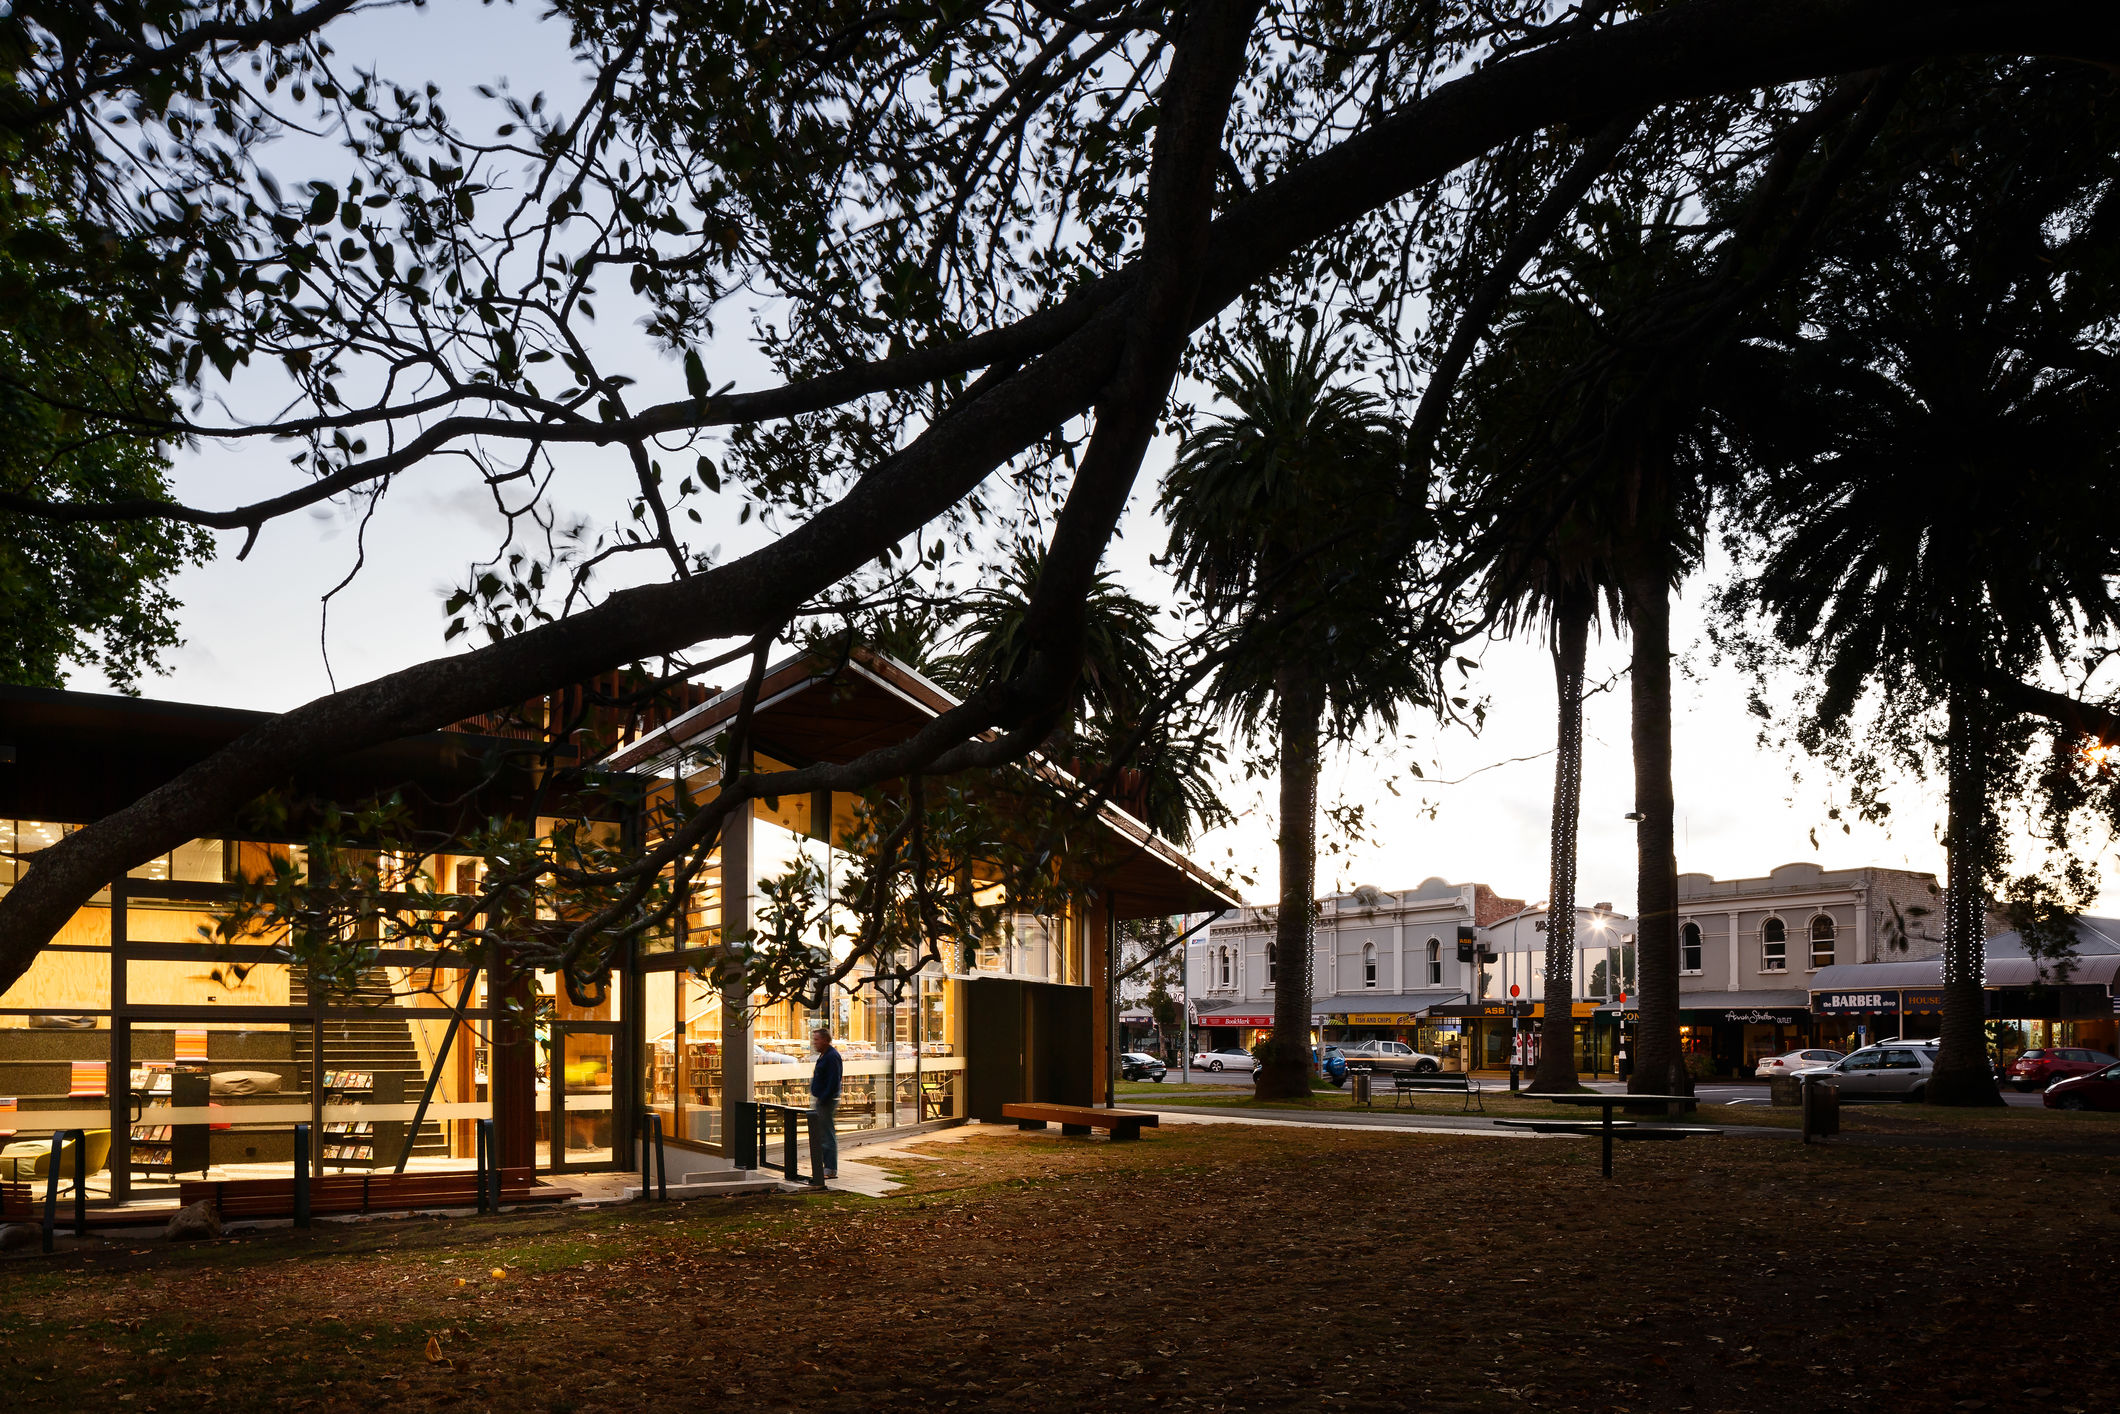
(1393, 1010)
(1763, 1008)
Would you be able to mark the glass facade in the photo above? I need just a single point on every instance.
(183, 1055)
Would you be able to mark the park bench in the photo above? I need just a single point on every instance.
(1078, 1119)
(243, 1198)
(1404, 1086)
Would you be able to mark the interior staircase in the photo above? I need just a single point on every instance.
(381, 1045)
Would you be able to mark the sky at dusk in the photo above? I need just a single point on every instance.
(255, 635)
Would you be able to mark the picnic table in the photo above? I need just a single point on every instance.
(1625, 1129)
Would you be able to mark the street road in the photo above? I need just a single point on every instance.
(1712, 1092)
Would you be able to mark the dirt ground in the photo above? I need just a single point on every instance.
(1205, 1268)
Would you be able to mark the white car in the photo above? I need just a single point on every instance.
(1228, 1058)
(1794, 1061)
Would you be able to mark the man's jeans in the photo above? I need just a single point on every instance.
(824, 1138)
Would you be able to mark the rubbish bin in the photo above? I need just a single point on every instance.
(1358, 1085)
(1821, 1109)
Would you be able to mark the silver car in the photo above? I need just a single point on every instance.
(1793, 1062)
(1886, 1072)
(1373, 1056)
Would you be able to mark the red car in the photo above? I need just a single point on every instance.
(2099, 1090)
(2036, 1069)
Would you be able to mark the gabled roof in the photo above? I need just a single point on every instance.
(811, 711)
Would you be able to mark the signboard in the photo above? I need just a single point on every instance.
(1385, 1019)
(1236, 1021)
(1926, 1000)
(1854, 1003)
(1762, 1018)
(1503, 1009)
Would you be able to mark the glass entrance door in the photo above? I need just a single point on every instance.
(588, 1129)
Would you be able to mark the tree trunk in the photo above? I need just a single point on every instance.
(1964, 1074)
(1285, 1073)
(1659, 1064)
(1571, 641)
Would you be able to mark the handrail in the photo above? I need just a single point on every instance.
(301, 1175)
(651, 1132)
(51, 1184)
(489, 1167)
(792, 1117)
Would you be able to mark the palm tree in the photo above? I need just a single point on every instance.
(1932, 432)
(1579, 429)
(1553, 569)
(1275, 511)
(1158, 764)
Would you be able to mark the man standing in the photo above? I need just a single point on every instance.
(824, 1106)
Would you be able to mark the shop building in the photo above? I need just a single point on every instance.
(1506, 1018)
(203, 1055)
(2029, 1001)
(1751, 952)
(1382, 966)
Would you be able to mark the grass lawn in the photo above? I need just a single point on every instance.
(1205, 1268)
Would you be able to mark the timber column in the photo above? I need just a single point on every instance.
(1103, 1001)
(735, 997)
(513, 1075)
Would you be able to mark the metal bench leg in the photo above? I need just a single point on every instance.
(1125, 1131)
(1030, 1124)
(1075, 1129)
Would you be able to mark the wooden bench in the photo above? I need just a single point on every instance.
(241, 1198)
(1403, 1086)
(1076, 1119)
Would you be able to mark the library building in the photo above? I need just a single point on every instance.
(186, 1062)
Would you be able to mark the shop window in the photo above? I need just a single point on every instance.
(1822, 941)
(1273, 962)
(1773, 946)
(1435, 962)
(1369, 964)
(1689, 948)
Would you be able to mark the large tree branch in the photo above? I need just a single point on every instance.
(1689, 51)
(2084, 718)
(1685, 52)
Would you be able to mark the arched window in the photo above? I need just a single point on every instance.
(1435, 962)
(1822, 941)
(1689, 947)
(1273, 959)
(1773, 946)
(1223, 962)
(1369, 964)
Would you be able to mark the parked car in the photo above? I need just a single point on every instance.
(2042, 1066)
(1227, 1058)
(1882, 1072)
(1135, 1065)
(1369, 1057)
(2097, 1090)
(1332, 1065)
(1773, 1066)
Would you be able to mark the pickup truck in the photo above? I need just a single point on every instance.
(1372, 1057)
